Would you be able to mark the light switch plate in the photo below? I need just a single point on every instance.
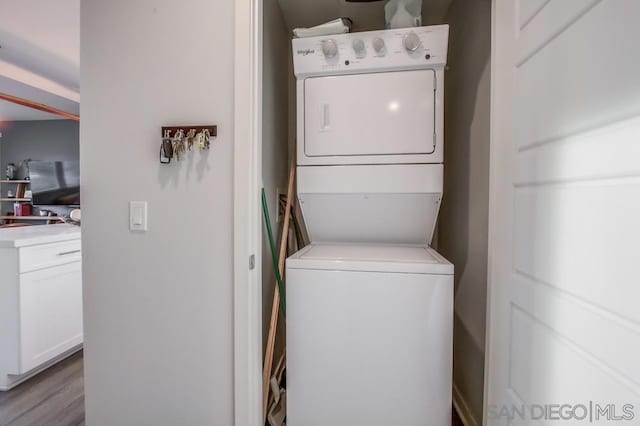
(138, 216)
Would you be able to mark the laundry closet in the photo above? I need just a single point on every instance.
(432, 116)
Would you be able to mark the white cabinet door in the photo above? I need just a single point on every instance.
(564, 323)
(50, 313)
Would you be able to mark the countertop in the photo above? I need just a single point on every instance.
(40, 234)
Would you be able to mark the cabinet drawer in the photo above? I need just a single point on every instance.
(48, 255)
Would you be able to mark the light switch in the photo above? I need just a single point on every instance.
(138, 215)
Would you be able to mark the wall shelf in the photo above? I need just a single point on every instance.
(19, 196)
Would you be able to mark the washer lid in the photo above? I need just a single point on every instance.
(371, 258)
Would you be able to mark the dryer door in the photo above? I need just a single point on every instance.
(390, 113)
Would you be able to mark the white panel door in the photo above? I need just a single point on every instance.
(390, 113)
(564, 323)
(50, 313)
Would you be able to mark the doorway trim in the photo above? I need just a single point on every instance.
(247, 222)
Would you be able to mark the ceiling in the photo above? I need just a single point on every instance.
(365, 15)
(40, 53)
(43, 36)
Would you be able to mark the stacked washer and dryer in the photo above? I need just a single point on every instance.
(370, 303)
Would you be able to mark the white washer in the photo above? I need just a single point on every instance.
(369, 336)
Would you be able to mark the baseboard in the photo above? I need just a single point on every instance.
(9, 381)
(461, 406)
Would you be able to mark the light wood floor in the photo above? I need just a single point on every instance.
(54, 397)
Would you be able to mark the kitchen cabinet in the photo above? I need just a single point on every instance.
(40, 301)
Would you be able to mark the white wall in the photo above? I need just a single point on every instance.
(275, 159)
(463, 222)
(158, 305)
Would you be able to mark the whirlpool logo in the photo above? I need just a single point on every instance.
(305, 52)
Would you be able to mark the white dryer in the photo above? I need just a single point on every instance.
(369, 303)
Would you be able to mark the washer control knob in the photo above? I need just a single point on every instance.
(379, 46)
(360, 48)
(329, 48)
(412, 42)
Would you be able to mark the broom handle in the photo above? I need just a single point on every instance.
(275, 306)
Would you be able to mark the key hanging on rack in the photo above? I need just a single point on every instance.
(178, 140)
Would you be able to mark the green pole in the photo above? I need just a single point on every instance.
(274, 255)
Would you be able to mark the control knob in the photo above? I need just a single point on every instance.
(379, 47)
(412, 42)
(360, 48)
(329, 48)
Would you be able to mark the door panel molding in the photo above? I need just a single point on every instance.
(553, 18)
(604, 153)
(585, 79)
(528, 10)
(581, 323)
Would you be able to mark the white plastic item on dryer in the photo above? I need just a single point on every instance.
(403, 14)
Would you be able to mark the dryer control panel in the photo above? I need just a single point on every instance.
(371, 51)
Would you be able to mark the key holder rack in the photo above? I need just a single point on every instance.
(178, 140)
